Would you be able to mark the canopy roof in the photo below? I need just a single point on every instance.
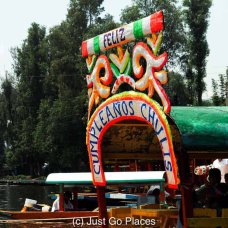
(111, 178)
(202, 127)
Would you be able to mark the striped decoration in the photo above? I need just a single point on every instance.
(124, 34)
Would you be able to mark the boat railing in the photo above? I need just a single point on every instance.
(161, 217)
(207, 217)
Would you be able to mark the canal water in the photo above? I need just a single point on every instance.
(12, 197)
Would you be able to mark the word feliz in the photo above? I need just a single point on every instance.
(114, 37)
(127, 108)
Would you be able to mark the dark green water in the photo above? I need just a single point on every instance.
(12, 197)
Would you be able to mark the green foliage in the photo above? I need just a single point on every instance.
(215, 98)
(60, 133)
(130, 14)
(85, 11)
(102, 25)
(3, 127)
(222, 85)
(31, 66)
(177, 90)
(174, 36)
(44, 112)
(219, 90)
(196, 15)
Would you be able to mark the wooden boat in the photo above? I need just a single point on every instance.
(46, 215)
(75, 180)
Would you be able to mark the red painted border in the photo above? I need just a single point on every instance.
(129, 96)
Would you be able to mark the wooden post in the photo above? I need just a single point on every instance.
(102, 206)
(162, 193)
(61, 197)
(117, 168)
(149, 166)
(187, 204)
(75, 201)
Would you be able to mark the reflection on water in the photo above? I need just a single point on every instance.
(12, 197)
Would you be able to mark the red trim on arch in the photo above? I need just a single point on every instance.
(129, 97)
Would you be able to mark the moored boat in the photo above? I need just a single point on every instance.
(83, 201)
(45, 215)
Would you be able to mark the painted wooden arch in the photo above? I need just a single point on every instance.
(123, 106)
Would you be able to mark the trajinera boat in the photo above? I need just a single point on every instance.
(85, 204)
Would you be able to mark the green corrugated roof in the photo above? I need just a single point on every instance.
(202, 127)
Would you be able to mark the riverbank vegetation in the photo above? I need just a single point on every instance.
(43, 101)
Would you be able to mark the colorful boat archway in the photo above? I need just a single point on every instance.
(129, 105)
(121, 84)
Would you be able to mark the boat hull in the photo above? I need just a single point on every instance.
(46, 215)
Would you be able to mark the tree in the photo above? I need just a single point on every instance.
(94, 9)
(177, 90)
(60, 134)
(30, 68)
(222, 85)
(3, 126)
(102, 25)
(130, 14)
(62, 79)
(197, 14)
(219, 89)
(215, 97)
(9, 95)
(8, 92)
(174, 37)
(66, 64)
(8, 118)
(60, 131)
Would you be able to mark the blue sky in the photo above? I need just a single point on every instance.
(16, 17)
